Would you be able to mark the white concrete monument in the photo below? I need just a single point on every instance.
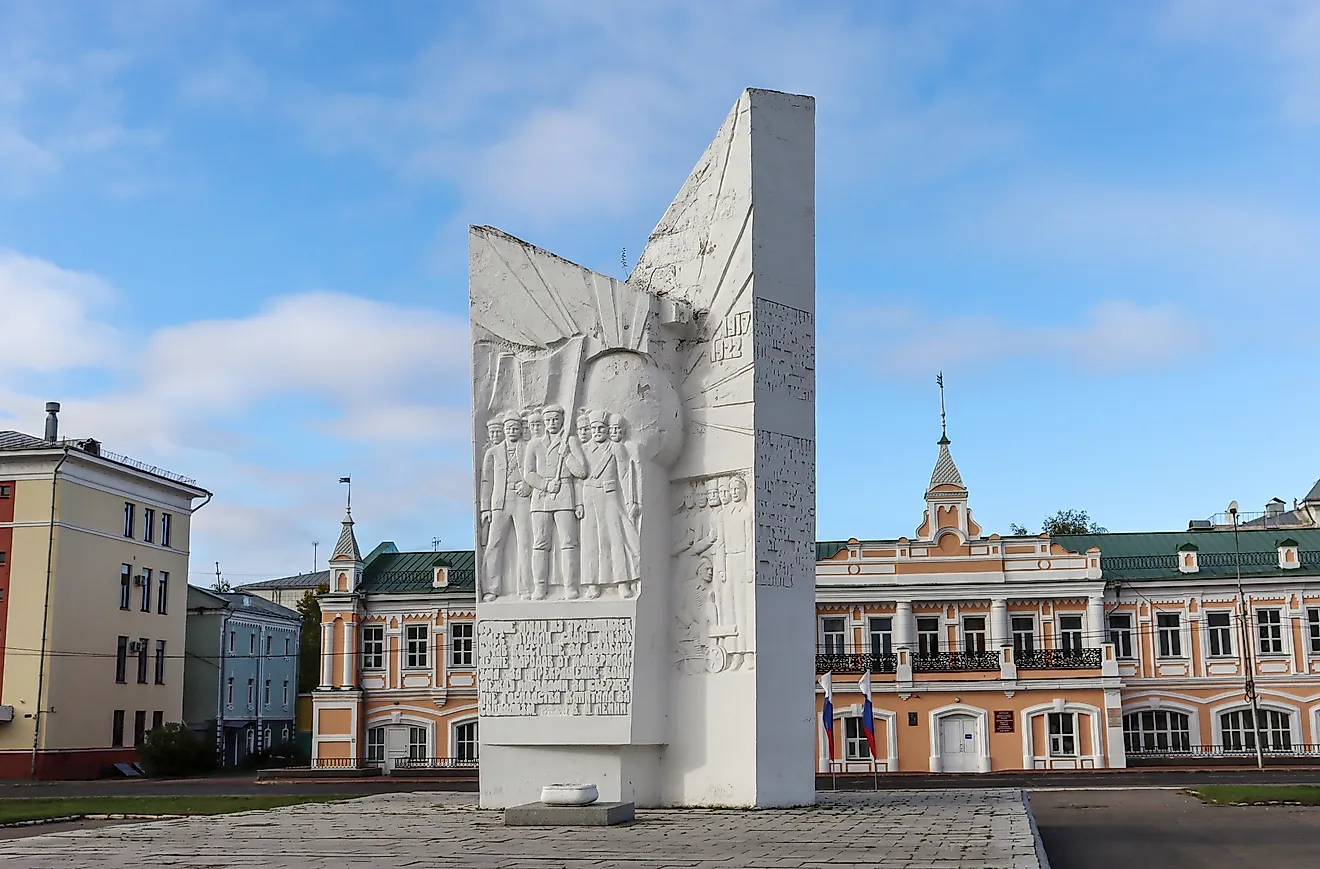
(645, 457)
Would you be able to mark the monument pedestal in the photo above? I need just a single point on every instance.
(594, 815)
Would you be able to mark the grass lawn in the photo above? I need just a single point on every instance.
(1221, 795)
(38, 808)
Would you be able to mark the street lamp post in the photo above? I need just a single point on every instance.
(1249, 663)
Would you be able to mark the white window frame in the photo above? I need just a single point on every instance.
(1224, 630)
(1313, 629)
(417, 646)
(460, 741)
(1278, 642)
(975, 640)
(875, 629)
(926, 648)
(462, 650)
(1174, 739)
(834, 642)
(1125, 631)
(1032, 634)
(1271, 715)
(1175, 633)
(286, 693)
(1064, 645)
(855, 746)
(418, 751)
(373, 659)
(1058, 736)
(376, 743)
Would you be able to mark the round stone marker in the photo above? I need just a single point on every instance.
(569, 795)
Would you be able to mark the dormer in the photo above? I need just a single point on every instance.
(440, 577)
(1288, 558)
(1187, 558)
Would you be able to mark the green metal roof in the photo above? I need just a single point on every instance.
(1153, 555)
(393, 572)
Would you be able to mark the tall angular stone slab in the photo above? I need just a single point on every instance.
(645, 486)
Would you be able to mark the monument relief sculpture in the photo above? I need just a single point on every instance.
(645, 455)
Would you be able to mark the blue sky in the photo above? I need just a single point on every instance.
(232, 239)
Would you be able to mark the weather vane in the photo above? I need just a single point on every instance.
(944, 430)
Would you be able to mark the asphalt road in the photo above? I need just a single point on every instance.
(1158, 778)
(222, 787)
(1168, 829)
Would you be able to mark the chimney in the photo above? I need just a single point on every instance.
(52, 421)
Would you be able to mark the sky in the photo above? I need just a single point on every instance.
(233, 240)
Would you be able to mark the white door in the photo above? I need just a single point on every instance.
(960, 750)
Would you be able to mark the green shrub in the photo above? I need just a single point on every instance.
(174, 750)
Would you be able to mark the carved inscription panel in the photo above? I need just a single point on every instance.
(785, 350)
(727, 341)
(785, 508)
(555, 667)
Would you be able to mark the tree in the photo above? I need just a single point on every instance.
(1071, 522)
(174, 750)
(1018, 530)
(309, 649)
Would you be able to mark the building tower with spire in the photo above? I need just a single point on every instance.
(946, 496)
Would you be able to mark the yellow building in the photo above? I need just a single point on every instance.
(93, 592)
(398, 653)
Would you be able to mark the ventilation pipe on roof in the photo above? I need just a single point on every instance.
(52, 421)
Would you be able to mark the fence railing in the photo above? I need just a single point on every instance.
(1277, 749)
(954, 662)
(346, 763)
(1058, 659)
(436, 763)
(851, 661)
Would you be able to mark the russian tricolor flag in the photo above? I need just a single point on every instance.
(868, 715)
(827, 714)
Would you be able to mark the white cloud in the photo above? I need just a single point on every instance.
(48, 316)
(1113, 337)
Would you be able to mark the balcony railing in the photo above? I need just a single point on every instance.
(436, 763)
(955, 662)
(1295, 749)
(1058, 659)
(852, 661)
(346, 763)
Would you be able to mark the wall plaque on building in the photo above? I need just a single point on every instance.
(1004, 719)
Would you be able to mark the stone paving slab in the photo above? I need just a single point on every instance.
(933, 829)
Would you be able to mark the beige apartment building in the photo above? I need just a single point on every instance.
(93, 603)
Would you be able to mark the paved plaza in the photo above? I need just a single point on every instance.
(933, 829)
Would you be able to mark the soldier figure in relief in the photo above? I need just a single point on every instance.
(554, 460)
(738, 568)
(610, 543)
(505, 504)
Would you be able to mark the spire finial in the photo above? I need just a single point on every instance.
(349, 482)
(944, 430)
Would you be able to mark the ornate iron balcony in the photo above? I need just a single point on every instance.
(855, 662)
(1058, 659)
(954, 662)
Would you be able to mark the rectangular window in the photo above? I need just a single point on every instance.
(165, 529)
(1270, 629)
(231, 642)
(146, 590)
(252, 693)
(139, 727)
(855, 746)
(882, 635)
(1313, 629)
(1024, 634)
(142, 660)
(266, 696)
(1120, 634)
(229, 692)
(269, 640)
(121, 660)
(1219, 632)
(2, 559)
(833, 632)
(286, 647)
(285, 696)
(252, 644)
(1063, 734)
(1169, 633)
(417, 743)
(125, 585)
(148, 524)
(163, 593)
(1070, 634)
(160, 662)
(5, 491)
(417, 646)
(974, 634)
(117, 729)
(157, 719)
(128, 519)
(376, 744)
(465, 738)
(928, 636)
(373, 647)
(461, 640)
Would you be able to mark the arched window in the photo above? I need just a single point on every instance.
(465, 741)
(855, 746)
(251, 740)
(265, 737)
(1275, 729)
(1156, 730)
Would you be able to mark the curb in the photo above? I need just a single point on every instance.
(64, 819)
(1042, 859)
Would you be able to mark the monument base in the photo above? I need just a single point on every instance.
(513, 775)
(594, 815)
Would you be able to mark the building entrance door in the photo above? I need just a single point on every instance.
(960, 750)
